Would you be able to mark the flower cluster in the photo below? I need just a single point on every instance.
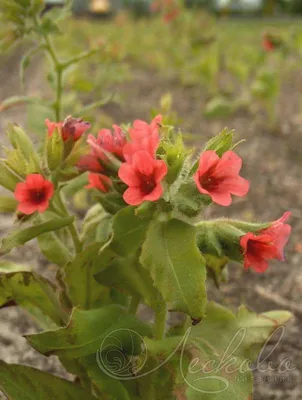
(135, 166)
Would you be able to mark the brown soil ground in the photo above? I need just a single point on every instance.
(272, 163)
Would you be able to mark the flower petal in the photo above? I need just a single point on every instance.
(133, 196)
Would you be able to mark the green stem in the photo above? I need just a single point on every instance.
(133, 305)
(57, 104)
(58, 66)
(160, 322)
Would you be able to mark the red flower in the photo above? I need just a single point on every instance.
(34, 194)
(219, 177)
(52, 126)
(269, 244)
(143, 137)
(70, 129)
(143, 176)
(267, 44)
(91, 163)
(112, 142)
(171, 15)
(100, 182)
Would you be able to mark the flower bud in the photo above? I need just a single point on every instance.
(54, 150)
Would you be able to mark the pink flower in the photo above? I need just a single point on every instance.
(219, 177)
(143, 136)
(34, 194)
(143, 176)
(70, 129)
(267, 245)
(100, 182)
(112, 142)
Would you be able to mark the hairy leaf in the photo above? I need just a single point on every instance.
(92, 330)
(20, 237)
(176, 266)
(25, 383)
(82, 288)
(31, 291)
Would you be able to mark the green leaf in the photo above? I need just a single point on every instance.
(20, 237)
(22, 143)
(92, 330)
(219, 369)
(25, 383)
(128, 276)
(220, 350)
(110, 387)
(21, 100)
(112, 202)
(129, 231)
(82, 288)
(48, 27)
(31, 291)
(189, 201)
(176, 266)
(221, 143)
(7, 204)
(97, 225)
(8, 179)
(54, 249)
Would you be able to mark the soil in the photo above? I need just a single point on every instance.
(272, 163)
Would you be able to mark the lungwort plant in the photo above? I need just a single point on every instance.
(142, 242)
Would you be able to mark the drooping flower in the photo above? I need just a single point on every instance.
(99, 181)
(111, 142)
(219, 177)
(143, 136)
(143, 176)
(34, 194)
(267, 245)
(71, 128)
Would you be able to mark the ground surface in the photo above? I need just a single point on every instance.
(273, 162)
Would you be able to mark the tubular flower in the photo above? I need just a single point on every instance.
(219, 177)
(52, 126)
(267, 245)
(100, 182)
(112, 142)
(143, 176)
(71, 128)
(34, 194)
(143, 136)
